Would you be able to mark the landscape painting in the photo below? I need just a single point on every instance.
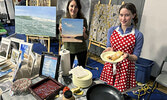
(35, 20)
(72, 30)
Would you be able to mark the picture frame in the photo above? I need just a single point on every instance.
(72, 30)
(15, 56)
(31, 62)
(5, 86)
(50, 65)
(25, 49)
(35, 20)
(15, 43)
(4, 48)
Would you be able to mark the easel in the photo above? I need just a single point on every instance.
(96, 43)
(38, 3)
(32, 37)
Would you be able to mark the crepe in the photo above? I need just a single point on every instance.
(115, 56)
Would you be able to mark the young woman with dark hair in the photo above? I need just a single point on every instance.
(127, 39)
(76, 48)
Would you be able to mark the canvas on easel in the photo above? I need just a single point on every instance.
(35, 20)
(72, 30)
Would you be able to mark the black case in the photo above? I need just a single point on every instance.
(47, 78)
(57, 66)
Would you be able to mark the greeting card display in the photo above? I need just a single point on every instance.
(72, 30)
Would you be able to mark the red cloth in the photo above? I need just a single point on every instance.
(125, 70)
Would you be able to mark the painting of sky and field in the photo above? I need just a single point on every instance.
(72, 27)
(35, 20)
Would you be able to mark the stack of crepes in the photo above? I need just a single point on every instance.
(81, 77)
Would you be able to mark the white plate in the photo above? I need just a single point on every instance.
(104, 57)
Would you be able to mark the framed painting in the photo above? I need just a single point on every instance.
(72, 30)
(25, 49)
(15, 44)
(4, 48)
(49, 65)
(31, 61)
(35, 20)
(15, 56)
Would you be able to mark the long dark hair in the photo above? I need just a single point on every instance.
(79, 14)
(132, 8)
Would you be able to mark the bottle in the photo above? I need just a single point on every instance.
(68, 95)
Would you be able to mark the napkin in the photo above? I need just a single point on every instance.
(78, 71)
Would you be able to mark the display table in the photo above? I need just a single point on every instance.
(65, 81)
(23, 72)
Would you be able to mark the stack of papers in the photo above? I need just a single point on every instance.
(78, 71)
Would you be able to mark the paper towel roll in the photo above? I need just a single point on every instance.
(65, 65)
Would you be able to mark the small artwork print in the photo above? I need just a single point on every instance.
(31, 61)
(15, 43)
(3, 50)
(4, 47)
(72, 30)
(25, 49)
(15, 56)
(49, 66)
(5, 86)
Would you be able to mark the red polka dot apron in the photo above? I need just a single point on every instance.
(125, 70)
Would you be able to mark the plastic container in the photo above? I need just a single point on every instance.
(143, 70)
